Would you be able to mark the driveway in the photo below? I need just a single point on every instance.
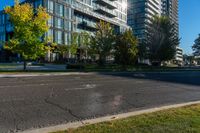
(35, 102)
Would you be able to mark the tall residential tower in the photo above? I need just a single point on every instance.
(139, 14)
(170, 9)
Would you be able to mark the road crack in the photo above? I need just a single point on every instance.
(68, 110)
(14, 115)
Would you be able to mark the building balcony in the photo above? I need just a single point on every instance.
(87, 25)
(106, 3)
(105, 11)
(94, 13)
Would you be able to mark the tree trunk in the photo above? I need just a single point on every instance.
(124, 67)
(102, 60)
(156, 63)
(25, 64)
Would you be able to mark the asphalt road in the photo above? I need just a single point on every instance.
(34, 102)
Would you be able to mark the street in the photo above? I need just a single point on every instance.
(35, 102)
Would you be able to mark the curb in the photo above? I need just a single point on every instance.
(43, 74)
(73, 73)
(107, 118)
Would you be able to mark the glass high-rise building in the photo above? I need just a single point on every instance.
(140, 13)
(170, 9)
(68, 16)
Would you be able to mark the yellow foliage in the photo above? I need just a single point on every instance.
(29, 27)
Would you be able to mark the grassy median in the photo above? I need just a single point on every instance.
(181, 120)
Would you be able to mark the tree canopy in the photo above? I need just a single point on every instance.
(126, 48)
(196, 46)
(29, 29)
(102, 41)
(161, 39)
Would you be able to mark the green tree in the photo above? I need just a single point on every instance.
(84, 44)
(142, 50)
(196, 46)
(63, 50)
(188, 59)
(161, 40)
(126, 49)
(102, 42)
(73, 47)
(29, 28)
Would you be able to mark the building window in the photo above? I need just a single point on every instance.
(2, 19)
(59, 10)
(50, 6)
(2, 37)
(68, 13)
(68, 25)
(2, 29)
(66, 38)
(50, 34)
(59, 23)
(9, 27)
(50, 21)
(68, 1)
(58, 37)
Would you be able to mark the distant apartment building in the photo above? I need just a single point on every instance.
(68, 16)
(179, 56)
(170, 9)
(140, 13)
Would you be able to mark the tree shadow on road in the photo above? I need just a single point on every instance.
(187, 77)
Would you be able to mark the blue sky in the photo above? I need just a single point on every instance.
(3, 3)
(189, 19)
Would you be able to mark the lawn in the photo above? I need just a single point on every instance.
(13, 68)
(8, 65)
(181, 120)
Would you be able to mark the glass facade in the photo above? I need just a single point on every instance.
(88, 12)
(2, 28)
(170, 9)
(68, 16)
(61, 20)
(139, 14)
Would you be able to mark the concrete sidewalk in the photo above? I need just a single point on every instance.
(11, 75)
